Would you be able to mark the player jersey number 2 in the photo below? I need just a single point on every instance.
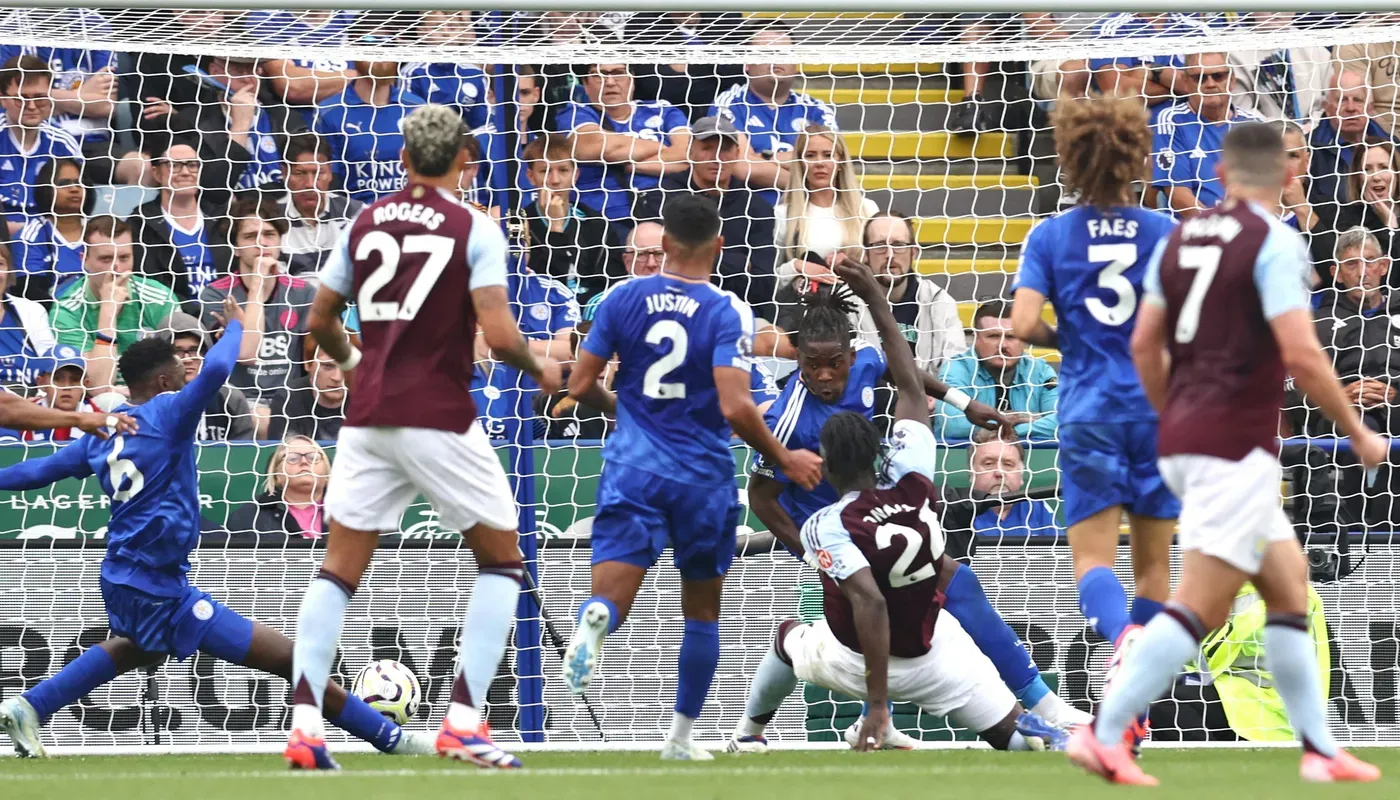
(123, 471)
(654, 383)
(1119, 257)
(439, 252)
(900, 576)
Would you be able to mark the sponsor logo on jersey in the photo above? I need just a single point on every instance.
(824, 559)
(274, 346)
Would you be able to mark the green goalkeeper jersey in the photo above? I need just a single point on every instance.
(1234, 658)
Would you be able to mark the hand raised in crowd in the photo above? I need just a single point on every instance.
(116, 290)
(263, 281)
(555, 206)
(99, 87)
(155, 107)
(242, 109)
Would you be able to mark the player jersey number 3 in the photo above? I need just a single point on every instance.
(439, 252)
(123, 471)
(1119, 257)
(654, 383)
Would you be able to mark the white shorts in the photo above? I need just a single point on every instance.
(952, 679)
(1229, 509)
(1045, 78)
(378, 472)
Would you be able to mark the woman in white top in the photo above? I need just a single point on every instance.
(824, 210)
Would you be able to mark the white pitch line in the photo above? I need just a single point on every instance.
(882, 767)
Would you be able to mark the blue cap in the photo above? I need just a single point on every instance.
(63, 355)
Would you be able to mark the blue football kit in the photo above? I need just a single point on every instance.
(1090, 264)
(668, 474)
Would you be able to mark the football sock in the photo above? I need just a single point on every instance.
(1168, 642)
(1103, 602)
(319, 622)
(1144, 610)
(83, 674)
(614, 619)
(696, 668)
(363, 722)
(772, 684)
(1292, 658)
(968, 603)
(486, 627)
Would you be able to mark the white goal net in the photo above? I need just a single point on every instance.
(154, 161)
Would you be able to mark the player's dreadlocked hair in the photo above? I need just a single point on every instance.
(1102, 144)
(145, 358)
(851, 447)
(826, 316)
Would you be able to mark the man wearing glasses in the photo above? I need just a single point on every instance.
(642, 257)
(1186, 140)
(28, 140)
(227, 417)
(926, 313)
(175, 229)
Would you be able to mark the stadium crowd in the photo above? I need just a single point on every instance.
(141, 189)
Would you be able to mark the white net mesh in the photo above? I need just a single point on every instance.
(237, 146)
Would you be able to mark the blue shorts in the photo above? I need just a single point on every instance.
(640, 512)
(1105, 464)
(177, 626)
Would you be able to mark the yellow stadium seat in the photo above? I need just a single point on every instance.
(965, 266)
(827, 70)
(927, 144)
(881, 180)
(972, 230)
(875, 96)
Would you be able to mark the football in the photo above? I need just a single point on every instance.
(389, 688)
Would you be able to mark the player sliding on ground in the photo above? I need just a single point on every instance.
(1089, 263)
(424, 270)
(683, 349)
(839, 372)
(880, 550)
(152, 610)
(1225, 320)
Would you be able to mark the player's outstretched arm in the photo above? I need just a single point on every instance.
(17, 413)
(507, 343)
(69, 461)
(1313, 375)
(872, 620)
(910, 403)
(736, 404)
(1026, 320)
(585, 386)
(979, 414)
(763, 502)
(219, 362)
(1149, 348)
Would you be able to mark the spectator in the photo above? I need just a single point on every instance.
(925, 311)
(316, 215)
(970, 114)
(1053, 78)
(1149, 77)
(1187, 137)
(823, 211)
(293, 494)
(227, 417)
(28, 140)
(998, 372)
(50, 246)
(770, 114)
(275, 306)
(1347, 121)
(999, 469)
(176, 229)
(1298, 211)
(690, 87)
(570, 242)
(1373, 193)
(623, 146)
(1283, 84)
(104, 311)
(24, 330)
(84, 94)
(746, 219)
(314, 404)
(303, 83)
(492, 185)
(60, 382)
(161, 77)
(1355, 327)
(1375, 64)
(545, 309)
(461, 86)
(362, 125)
(641, 257)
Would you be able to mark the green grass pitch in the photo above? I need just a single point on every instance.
(978, 774)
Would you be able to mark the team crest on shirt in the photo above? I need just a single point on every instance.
(418, 192)
(491, 392)
(800, 124)
(267, 145)
(867, 397)
(469, 91)
(539, 312)
(203, 610)
(824, 559)
(654, 121)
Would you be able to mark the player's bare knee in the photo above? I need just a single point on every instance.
(493, 547)
(1094, 541)
(700, 600)
(348, 553)
(127, 656)
(999, 735)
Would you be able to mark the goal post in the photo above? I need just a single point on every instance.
(966, 163)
